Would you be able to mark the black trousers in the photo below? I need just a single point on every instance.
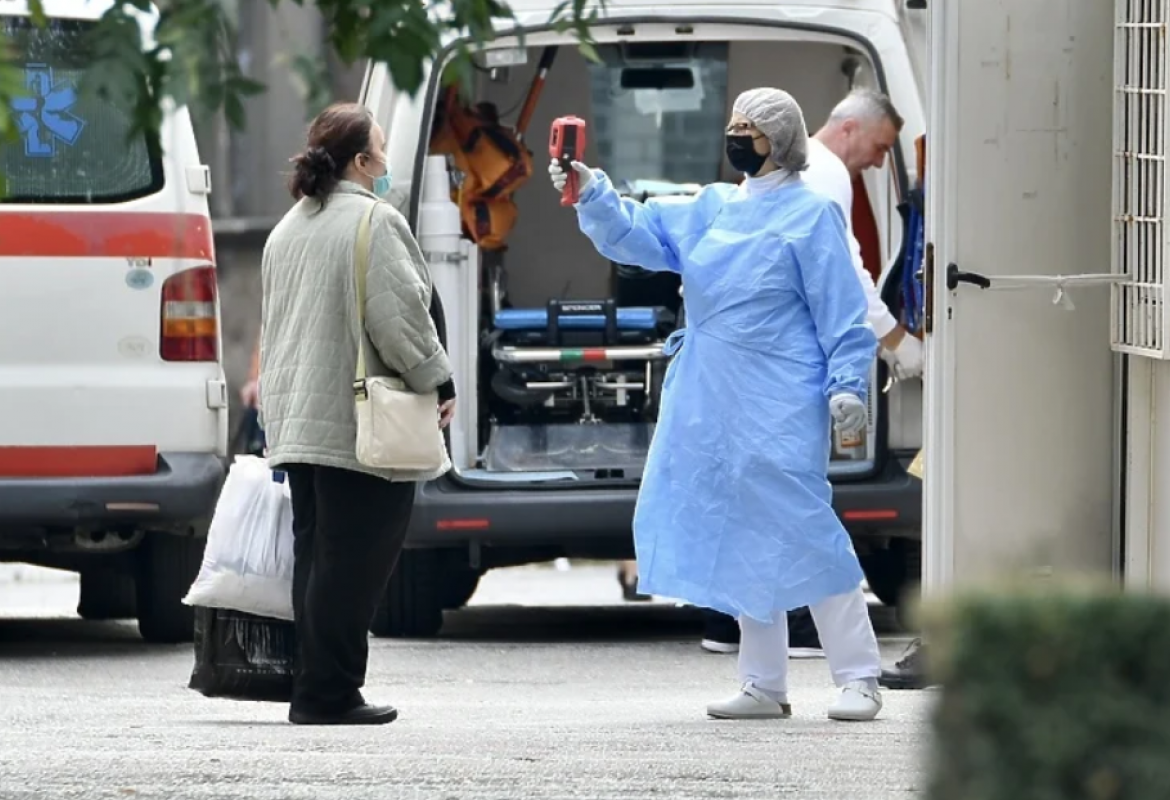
(802, 631)
(348, 530)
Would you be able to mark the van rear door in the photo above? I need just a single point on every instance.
(109, 317)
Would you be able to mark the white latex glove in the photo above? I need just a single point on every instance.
(905, 360)
(849, 413)
(557, 173)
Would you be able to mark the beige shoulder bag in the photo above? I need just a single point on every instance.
(397, 429)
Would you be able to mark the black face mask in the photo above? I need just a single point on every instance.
(741, 152)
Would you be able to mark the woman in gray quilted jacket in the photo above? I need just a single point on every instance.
(349, 521)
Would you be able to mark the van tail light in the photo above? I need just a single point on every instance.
(190, 328)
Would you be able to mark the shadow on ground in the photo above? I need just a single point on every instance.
(38, 638)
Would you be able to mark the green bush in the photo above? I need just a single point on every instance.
(1056, 697)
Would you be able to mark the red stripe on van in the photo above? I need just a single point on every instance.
(77, 462)
(106, 233)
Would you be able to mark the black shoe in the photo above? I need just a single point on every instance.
(910, 671)
(631, 595)
(365, 714)
(720, 633)
(803, 640)
(630, 590)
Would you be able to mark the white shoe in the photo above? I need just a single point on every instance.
(712, 646)
(857, 703)
(750, 703)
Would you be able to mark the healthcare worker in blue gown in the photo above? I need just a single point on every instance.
(735, 508)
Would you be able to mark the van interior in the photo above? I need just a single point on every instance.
(571, 363)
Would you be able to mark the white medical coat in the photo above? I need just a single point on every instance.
(828, 176)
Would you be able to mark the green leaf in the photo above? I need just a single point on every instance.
(233, 110)
(248, 87)
(558, 11)
(36, 11)
(589, 51)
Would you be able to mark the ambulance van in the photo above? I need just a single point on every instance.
(113, 403)
(558, 354)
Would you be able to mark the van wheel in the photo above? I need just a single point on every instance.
(167, 566)
(107, 593)
(458, 585)
(412, 606)
(892, 571)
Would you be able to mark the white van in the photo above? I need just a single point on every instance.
(556, 398)
(113, 404)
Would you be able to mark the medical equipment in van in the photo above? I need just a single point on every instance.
(586, 361)
(492, 158)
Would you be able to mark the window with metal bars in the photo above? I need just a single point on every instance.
(1139, 177)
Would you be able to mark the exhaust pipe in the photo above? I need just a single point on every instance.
(106, 541)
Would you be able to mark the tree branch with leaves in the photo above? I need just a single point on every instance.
(190, 57)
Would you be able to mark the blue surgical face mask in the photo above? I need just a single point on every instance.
(382, 183)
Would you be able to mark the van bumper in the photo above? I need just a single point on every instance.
(183, 489)
(447, 514)
(889, 504)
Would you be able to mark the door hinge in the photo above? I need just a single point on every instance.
(925, 276)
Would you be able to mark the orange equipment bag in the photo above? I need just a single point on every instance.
(492, 157)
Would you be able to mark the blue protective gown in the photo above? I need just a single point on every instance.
(734, 512)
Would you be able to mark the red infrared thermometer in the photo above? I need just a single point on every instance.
(566, 143)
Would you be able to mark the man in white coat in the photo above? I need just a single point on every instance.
(859, 134)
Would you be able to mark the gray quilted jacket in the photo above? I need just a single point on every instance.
(309, 327)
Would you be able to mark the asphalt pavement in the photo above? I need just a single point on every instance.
(546, 686)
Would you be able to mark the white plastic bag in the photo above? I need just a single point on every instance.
(248, 561)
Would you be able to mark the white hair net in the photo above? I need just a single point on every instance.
(778, 116)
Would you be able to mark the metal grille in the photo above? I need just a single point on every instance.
(1139, 176)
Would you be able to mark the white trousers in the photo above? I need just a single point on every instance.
(846, 634)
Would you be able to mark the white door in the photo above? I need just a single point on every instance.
(455, 276)
(1019, 392)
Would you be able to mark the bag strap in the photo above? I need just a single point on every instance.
(361, 268)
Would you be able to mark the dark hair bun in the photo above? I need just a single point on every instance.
(338, 135)
(315, 173)
(318, 160)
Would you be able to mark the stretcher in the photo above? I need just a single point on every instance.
(588, 361)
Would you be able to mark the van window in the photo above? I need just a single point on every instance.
(72, 145)
(668, 134)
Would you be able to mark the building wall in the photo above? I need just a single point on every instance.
(249, 165)
(239, 288)
(1146, 545)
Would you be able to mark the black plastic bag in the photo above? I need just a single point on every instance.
(243, 656)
